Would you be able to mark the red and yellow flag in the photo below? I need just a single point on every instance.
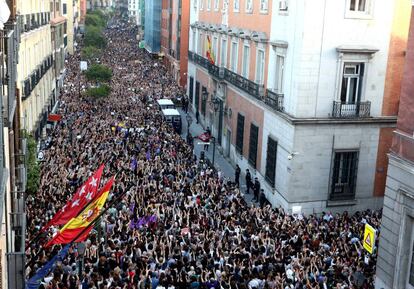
(83, 196)
(209, 52)
(84, 220)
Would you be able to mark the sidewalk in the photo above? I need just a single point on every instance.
(220, 163)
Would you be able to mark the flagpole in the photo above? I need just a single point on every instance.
(85, 228)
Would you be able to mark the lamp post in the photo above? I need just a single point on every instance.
(81, 252)
(189, 121)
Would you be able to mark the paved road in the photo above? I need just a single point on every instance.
(220, 163)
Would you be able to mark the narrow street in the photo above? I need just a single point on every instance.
(171, 223)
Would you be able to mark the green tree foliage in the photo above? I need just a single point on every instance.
(99, 92)
(94, 37)
(33, 168)
(94, 20)
(98, 72)
(91, 53)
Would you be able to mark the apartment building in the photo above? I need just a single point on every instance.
(70, 11)
(12, 154)
(36, 80)
(395, 265)
(174, 37)
(59, 38)
(296, 94)
(152, 32)
(133, 11)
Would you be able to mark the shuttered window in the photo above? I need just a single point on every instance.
(240, 133)
(344, 175)
(254, 136)
(271, 156)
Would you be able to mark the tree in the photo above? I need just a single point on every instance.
(94, 37)
(91, 53)
(33, 168)
(94, 20)
(98, 72)
(99, 92)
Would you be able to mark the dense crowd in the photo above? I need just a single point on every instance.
(177, 224)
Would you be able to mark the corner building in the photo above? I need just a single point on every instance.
(297, 94)
(395, 264)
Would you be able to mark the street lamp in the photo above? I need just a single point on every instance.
(216, 104)
(189, 121)
(81, 252)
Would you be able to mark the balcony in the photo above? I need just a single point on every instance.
(244, 84)
(274, 100)
(216, 71)
(198, 59)
(351, 110)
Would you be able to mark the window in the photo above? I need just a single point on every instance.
(271, 156)
(234, 56)
(216, 5)
(358, 9)
(201, 4)
(208, 5)
(254, 136)
(249, 6)
(264, 5)
(344, 175)
(223, 56)
(215, 48)
(280, 66)
(195, 4)
(240, 133)
(351, 86)
(246, 61)
(358, 5)
(64, 8)
(236, 5)
(194, 40)
(283, 5)
(260, 67)
(200, 44)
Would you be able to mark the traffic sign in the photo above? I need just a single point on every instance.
(369, 238)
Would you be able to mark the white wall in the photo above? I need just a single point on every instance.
(313, 30)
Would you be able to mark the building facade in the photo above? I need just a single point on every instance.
(59, 38)
(395, 267)
(295, 93)
(36, 79)
(174, 37)
(152, 32)
(12, 155)
(133, 11)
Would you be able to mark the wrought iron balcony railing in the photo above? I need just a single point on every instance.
(274, 100)
(244, 84)
(351, 110)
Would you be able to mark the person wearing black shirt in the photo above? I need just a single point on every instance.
(237, 176)
(248, 181)
(256, 189)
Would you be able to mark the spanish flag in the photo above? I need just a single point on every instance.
(209, 52)
(78, 229)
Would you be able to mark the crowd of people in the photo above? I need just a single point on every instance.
(176, 224)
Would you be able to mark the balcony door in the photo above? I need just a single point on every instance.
(352, 82)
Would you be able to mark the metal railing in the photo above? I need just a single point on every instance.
(274, 100)
(216, 71)
(34, 78)
(33, 21)
(351, 110)
(244, 84)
